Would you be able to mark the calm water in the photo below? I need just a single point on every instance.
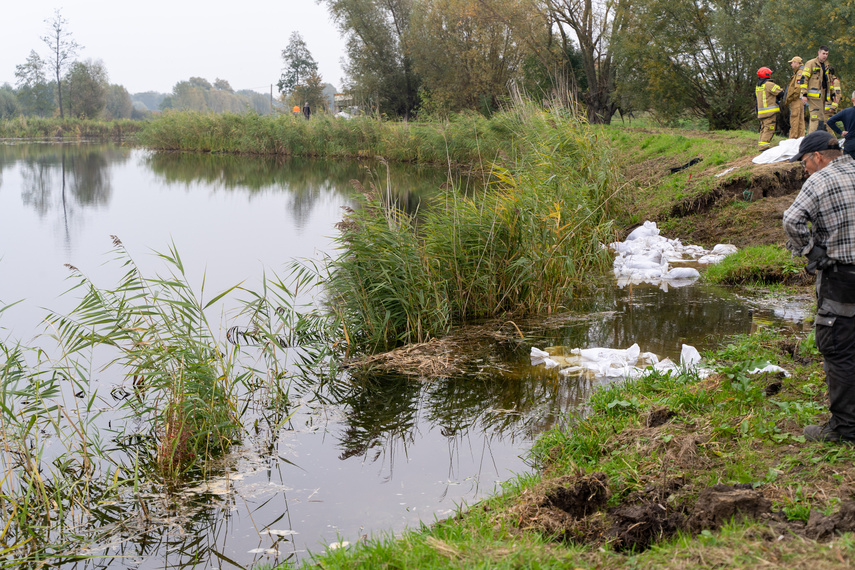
(359, 456)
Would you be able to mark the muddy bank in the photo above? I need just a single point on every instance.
(575, 509)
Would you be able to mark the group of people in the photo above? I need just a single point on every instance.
(814, 84)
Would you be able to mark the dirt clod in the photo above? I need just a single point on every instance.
(579, 497)
(719, 504)
(659, 417)
(823, 527)
(637, 527)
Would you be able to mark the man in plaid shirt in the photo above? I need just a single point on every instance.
(827, 201)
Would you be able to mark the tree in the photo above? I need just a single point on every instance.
(87, 84)
(223, 85)
(299, 64)
(63, 49)
(34, 92)
(379, 66)
(464, 53)
(119, 105)
(9, 106)
(699, 56)
(594, 24)
(311, 92)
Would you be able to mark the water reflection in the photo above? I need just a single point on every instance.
(329, 456)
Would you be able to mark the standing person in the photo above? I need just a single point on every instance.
(847, 117)
(827, 202)
(832, 98)
(767, 92)
(814, 87)
(296, 111)
(794, 102)
(307, 111)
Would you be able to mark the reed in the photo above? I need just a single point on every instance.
(523, 244)
(54, 127)
(464, 139)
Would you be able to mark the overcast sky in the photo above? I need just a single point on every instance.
(153, 44)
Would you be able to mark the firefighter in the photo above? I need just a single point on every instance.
(768, 94)
(794, 102)
(832, 99)
(814, 86)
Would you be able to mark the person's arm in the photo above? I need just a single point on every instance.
(832, 123)
(796, 218)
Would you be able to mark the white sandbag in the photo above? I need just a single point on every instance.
(724, 249)
(682, 273)
(689, 356)
(644, 230)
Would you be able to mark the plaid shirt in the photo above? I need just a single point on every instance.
(827, 201)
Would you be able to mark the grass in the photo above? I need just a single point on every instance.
(468, 139)
(54, 127)
(737, 434)
(756, 265)
(523, 245)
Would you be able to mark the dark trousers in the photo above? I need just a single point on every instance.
(837, 345)
(835, 339)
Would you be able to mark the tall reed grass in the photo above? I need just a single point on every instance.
(465, 139)
(54, 127)
(524, 244)
(182, 394)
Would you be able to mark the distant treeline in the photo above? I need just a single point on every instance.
(670, 57)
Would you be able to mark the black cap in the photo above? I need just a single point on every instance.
(817, 141)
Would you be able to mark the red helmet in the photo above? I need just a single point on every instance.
(764, 73)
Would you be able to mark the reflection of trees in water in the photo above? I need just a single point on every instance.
(305, 180)
(657, 320)
(49, 171)
(386, 411)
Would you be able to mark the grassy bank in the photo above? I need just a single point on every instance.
(634, 483)
(56, 128)
(467, 139)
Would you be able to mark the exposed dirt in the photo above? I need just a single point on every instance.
(573, 509)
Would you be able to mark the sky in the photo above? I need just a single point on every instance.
(154, 44)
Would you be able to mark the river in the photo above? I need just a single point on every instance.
(357, 457)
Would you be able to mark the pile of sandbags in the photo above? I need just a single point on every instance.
(646, 257)
(601, 363)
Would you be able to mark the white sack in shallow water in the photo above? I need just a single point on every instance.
(604, 363)
(645, 257)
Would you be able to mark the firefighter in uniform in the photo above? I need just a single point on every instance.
(768, 93)
(832, 99)
(794, 102)
(814, 87)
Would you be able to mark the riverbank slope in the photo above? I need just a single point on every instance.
(681, 470)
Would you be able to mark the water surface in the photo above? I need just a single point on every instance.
(360, 455)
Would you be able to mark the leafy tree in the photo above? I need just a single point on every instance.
(699, 56)
(311, 92)
(9, 106)
(35, 94)
(63, 49)
(87, 84)
(299, 64)
(119, 105)
(223, 85)
(464, 53)
(594, 24)
(379, 66)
